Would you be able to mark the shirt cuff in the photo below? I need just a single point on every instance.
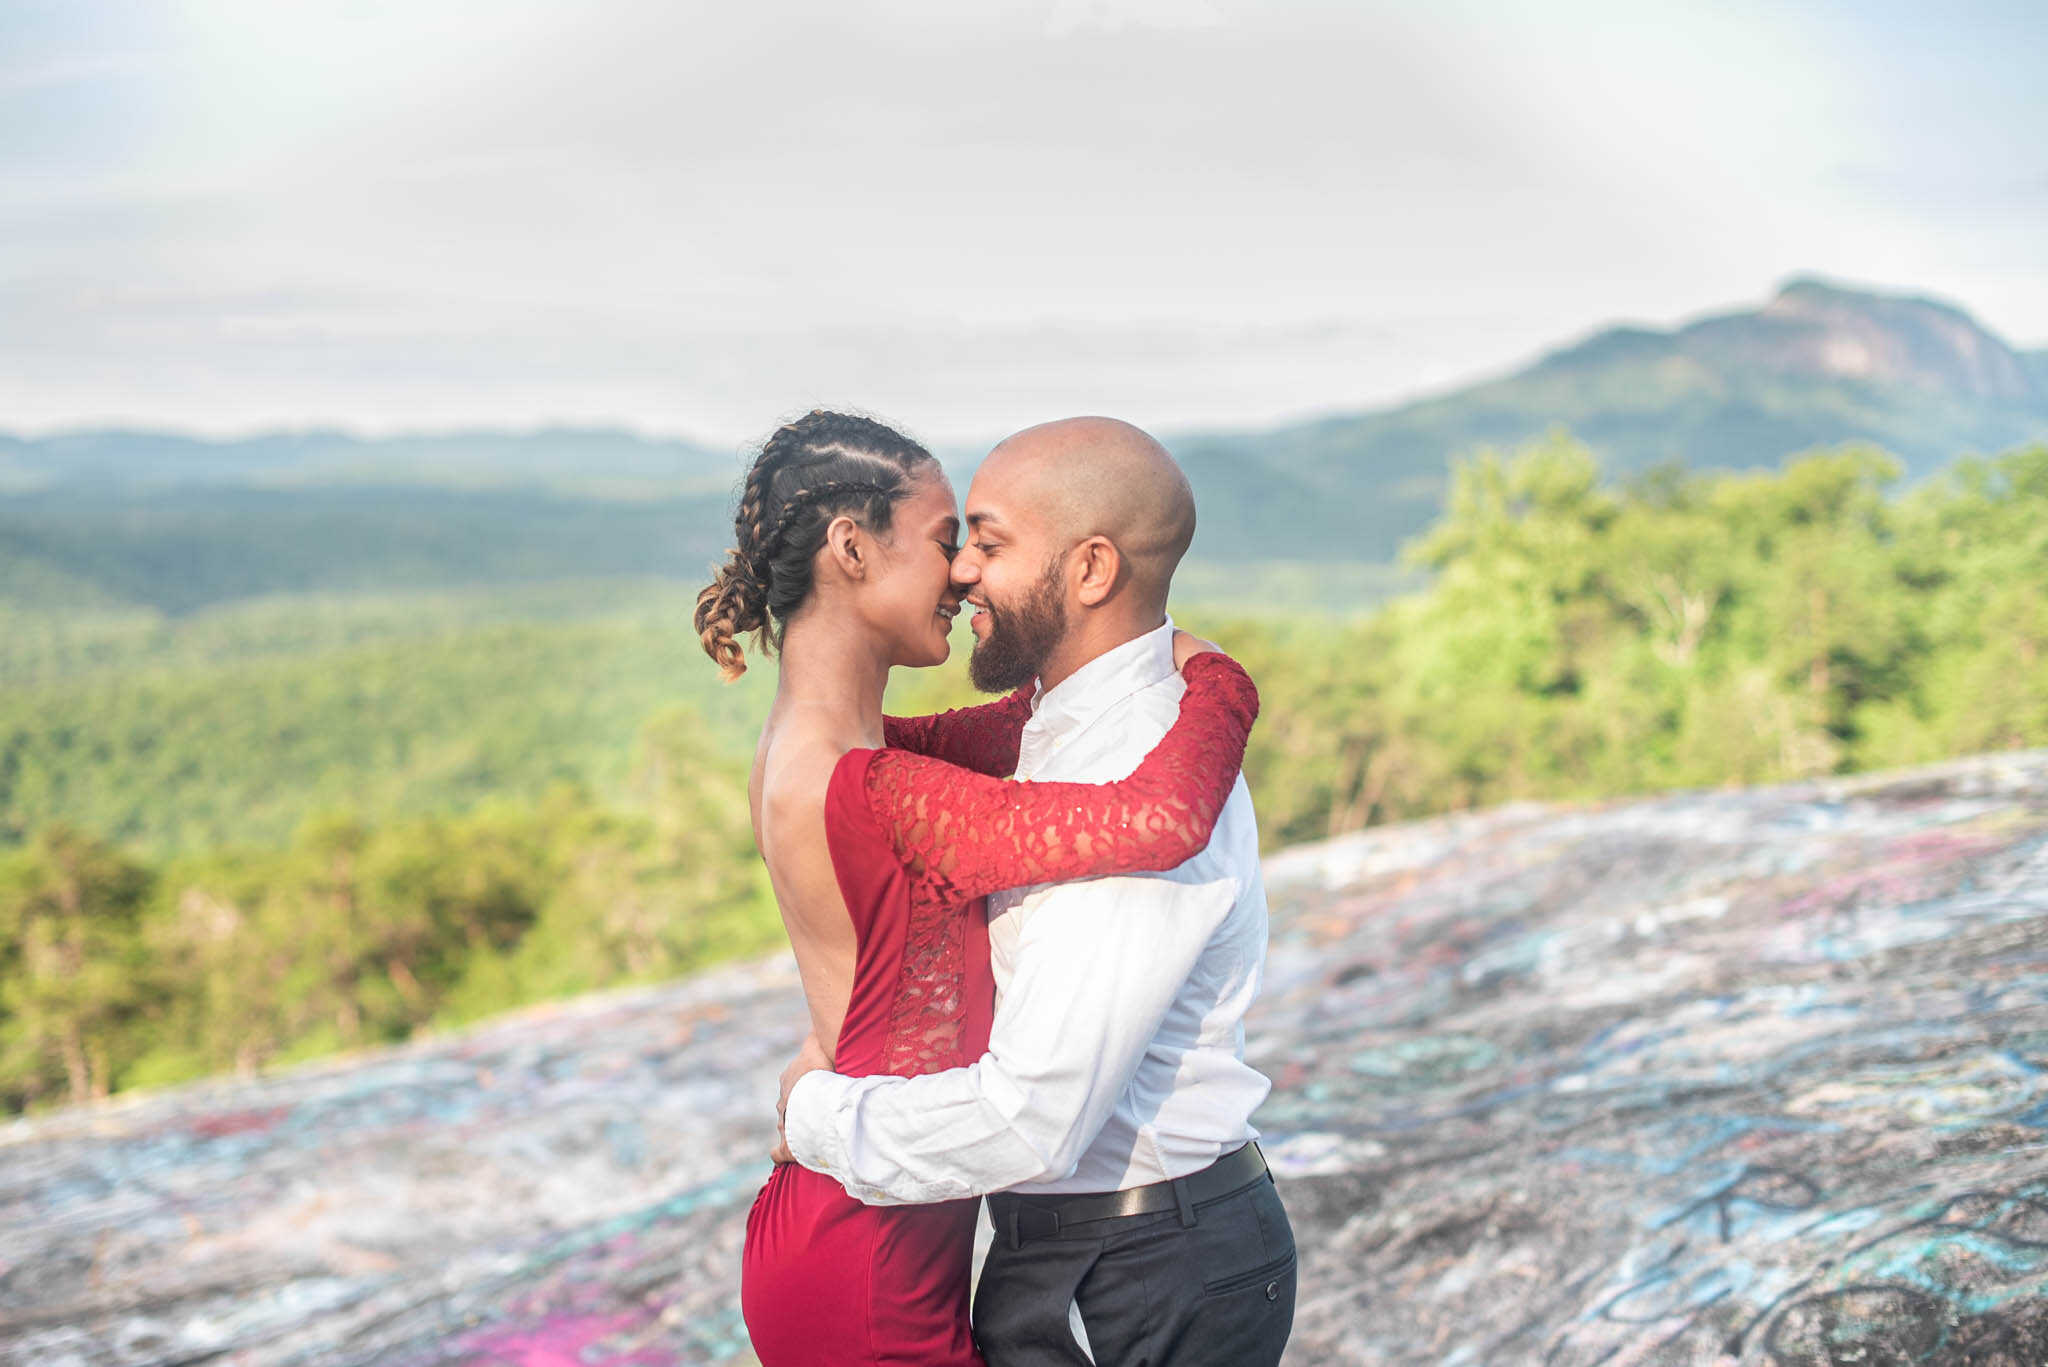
(815, 1123)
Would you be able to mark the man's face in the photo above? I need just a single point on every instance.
(1013, 578)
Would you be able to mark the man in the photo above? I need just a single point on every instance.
(1110, 1118)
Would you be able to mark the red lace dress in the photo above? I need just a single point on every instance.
(918, 840)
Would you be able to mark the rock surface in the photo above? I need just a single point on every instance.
(1704, 1079)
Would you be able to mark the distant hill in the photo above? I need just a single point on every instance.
(182, 547)
(1817, 365)
(601, 460)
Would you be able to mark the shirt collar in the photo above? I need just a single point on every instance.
(1103, 682)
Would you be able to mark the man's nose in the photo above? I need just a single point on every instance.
(966, 572)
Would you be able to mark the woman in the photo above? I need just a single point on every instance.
(880, 857)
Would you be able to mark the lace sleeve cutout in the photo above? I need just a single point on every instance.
(984, 739)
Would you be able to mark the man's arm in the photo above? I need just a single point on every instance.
(1098, 965)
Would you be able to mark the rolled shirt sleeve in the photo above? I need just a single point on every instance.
(1096, 968)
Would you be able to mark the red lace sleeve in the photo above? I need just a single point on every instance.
(963, 835)
(984, 739)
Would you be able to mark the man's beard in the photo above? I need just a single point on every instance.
(1020, 636)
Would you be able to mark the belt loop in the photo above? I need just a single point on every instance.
(1187, 1207)
(1016, 1238)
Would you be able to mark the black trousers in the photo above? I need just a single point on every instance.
(1154, 1291)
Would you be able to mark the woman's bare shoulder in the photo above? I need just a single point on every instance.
(795, 771)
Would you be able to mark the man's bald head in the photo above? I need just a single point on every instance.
(1083, 477)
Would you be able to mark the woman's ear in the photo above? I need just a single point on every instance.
(846, 542)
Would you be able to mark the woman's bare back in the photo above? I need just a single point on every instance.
(799, 750)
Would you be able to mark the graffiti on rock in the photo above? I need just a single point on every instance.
(1714, 1078)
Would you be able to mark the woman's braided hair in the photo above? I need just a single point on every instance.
(811, 471)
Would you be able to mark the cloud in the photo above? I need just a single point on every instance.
(392, 211)
(1114, 16)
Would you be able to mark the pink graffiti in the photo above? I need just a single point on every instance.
(238, 1122)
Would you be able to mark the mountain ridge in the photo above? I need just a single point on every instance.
(1817, 364)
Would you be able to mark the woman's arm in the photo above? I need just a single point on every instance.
(986, 738)
(962, 834)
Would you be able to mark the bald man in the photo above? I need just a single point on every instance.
(1109, 1123)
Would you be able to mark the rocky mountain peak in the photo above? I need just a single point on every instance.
(1818, 328)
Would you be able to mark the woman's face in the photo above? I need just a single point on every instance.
(913, 601)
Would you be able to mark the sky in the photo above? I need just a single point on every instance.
(696, 219)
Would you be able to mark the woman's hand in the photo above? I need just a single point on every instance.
(1186, 647)
(811, 1058)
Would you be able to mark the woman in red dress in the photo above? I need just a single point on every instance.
(882, 838)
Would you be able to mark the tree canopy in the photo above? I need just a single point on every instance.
(226, 846)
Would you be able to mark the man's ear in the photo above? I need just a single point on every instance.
(1102, 567)
(847, 544)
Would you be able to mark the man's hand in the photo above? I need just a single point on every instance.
(1186, 647)
(812, 1058)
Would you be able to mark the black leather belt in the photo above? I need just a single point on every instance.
(1018, 1218)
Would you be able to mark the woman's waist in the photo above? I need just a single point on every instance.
(911, 1040)
(816, 1201)
(908, 1061)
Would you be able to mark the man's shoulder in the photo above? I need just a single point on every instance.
(1150, 711)
(1234, 843)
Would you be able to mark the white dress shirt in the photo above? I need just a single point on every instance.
(1117, 1055)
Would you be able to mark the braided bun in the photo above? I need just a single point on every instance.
(809, 472)
(729, 605)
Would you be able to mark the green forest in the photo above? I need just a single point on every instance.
(272, 828)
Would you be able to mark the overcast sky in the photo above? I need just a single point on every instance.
(694, 217)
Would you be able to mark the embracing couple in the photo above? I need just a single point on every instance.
(1027, 931)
